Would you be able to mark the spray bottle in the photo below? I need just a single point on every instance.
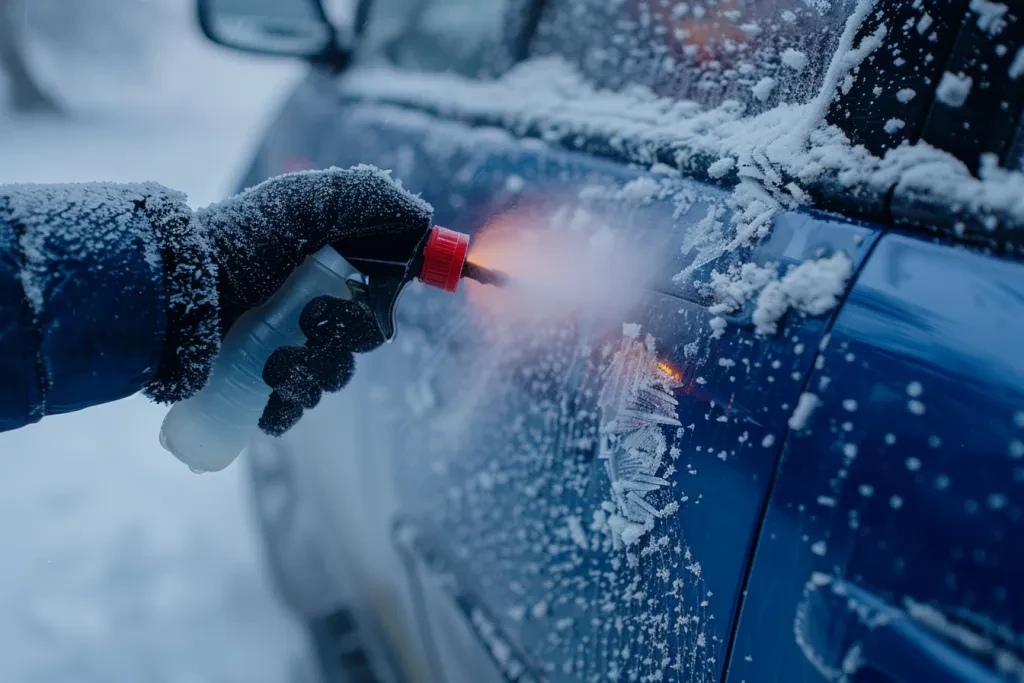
(210, 429)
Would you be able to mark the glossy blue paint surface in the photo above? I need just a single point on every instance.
(908, 483)
(891, 545)
(493, 493)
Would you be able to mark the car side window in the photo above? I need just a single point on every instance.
(759, 52)
(1013, 87)
(1015, 157)
(433, 35)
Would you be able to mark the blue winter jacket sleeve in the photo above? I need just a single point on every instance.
(105, 290)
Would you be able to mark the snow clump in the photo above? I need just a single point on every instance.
(953, 89)
(794, 59)
(1016, 69)
(990, 15)
(813, 288)
(805, 406)
(763, 88)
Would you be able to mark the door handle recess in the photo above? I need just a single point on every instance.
(852, 636)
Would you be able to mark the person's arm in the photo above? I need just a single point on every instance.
(93, 279)
(106, 289)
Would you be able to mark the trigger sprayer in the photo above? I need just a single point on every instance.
(210, 429)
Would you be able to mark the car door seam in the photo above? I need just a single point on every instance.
(779, 455)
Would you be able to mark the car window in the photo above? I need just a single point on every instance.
(433, 35)
(760, 52)
(1015, 157)
(1015, 73)
(979, 93)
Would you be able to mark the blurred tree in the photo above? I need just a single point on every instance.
(24, 93)
(56, 37)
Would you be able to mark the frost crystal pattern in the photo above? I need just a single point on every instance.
(636, 404)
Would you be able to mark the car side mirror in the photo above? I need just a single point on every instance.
(288, 28)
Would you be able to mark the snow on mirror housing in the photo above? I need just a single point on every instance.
(295, 28)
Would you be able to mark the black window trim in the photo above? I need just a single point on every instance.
(827, 194)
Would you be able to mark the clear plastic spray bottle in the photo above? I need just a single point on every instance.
(210, 429)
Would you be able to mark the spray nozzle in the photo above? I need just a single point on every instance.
(444, 256)
(208, 430)
(389, 262)
(485, 276)
(445, 262)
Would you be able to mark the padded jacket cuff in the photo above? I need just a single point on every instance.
(193, 333)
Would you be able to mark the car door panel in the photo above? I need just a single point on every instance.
(597, 550)
(618, 494)
(898, 506)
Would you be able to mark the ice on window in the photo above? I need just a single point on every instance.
(706, 51)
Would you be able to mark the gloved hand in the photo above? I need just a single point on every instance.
(259, 236)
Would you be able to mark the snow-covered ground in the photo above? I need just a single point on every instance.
(119, 565)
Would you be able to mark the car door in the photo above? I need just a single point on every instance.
(567, 551)
(890, 550)
(573, 493)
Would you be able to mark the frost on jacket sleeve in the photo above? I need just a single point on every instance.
(105, 290)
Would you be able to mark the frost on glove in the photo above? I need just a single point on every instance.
(334, 329)
(260, 236)
(106, 288)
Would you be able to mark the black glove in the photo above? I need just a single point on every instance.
(261, 235)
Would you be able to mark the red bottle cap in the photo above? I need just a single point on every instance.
(443, 258)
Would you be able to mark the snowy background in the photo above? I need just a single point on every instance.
(118, 564)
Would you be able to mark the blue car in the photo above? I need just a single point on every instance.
(779, 434)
